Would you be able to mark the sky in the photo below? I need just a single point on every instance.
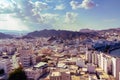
(31, 15)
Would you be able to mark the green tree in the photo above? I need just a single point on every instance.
(17, 74)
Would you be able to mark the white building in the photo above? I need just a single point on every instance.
(89, 56)
(6, 65)
(101, 60)
(107, 63)
(105, 66)
(116, 67)
(94, 58)
(80, 62)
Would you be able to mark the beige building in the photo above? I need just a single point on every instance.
(55, 76)
(27, 58)
(37, 71)
(60, 76)
(32, 74)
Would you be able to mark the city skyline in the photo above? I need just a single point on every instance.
(30, 15)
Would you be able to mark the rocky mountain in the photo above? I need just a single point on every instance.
(4, 36)
(112, 30)
(63, 34)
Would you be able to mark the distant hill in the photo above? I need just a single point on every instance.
(86, 30)
(4, 36)
(63, 34)
(14, 32)
(112, 30)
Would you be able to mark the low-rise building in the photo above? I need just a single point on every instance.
(37, 71)
(6, 65)
(80, 62)
(60, 76)
(32, 74)
(43, 67)
(91, 68)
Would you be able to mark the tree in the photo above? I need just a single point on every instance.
(17, 74)
(1, 71)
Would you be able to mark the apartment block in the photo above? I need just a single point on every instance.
(27, 58)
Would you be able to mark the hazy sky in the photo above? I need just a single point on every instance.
(74, 15)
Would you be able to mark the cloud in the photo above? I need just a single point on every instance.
(23, 8)
(9, 22)
(34, 15)
(29, 15)
(6, 7)
(50, 18)
(75, 4)
(30, 11)
(70, 17)
(86, 4)
(40, 5)
(60, 7)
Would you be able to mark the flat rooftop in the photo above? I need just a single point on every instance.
(55, 74)
(40, 64)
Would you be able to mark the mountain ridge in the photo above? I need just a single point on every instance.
(63, 34)
(5, 36)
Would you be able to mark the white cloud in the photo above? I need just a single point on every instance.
(60, 7)
(49, 18)
(40, 5)
(86, 4)
(70, 17)
(27, 16)
(49, 15)
(6, 7)
(75, 4)
(9, 22)
(31, 11)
